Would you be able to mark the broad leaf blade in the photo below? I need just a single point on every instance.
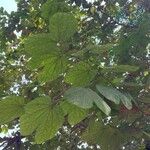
(98, 133)
(39, 47)
(41, 117)
(114, 95)
(10, 108)
(53, 6)
(62, 26)
(54, 66)
(75, 113)
(80, 75)
(85, 97)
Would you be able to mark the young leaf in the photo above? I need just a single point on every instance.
(10, 108)
(114, 95)
(75, 113)
(62, 26)
(80, 75)
(42, 118)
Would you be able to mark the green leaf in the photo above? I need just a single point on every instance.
(91, 134)
(121, 68)
(42, 118)
(114, 95)
(82, 97)
(10, 108)
(75, 114)
(108, 138)
(62, 26)
(102, 105)
(54, 66)
(39, 47)
(80, 75)
(99, 49)
(53, 6)
(85, 97)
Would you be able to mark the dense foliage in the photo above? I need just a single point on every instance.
(75, 75)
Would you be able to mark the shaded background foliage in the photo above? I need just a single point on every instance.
(110, 48)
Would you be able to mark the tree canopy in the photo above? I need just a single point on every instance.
(75, 74)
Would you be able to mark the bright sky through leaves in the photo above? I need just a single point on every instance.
(9, 5)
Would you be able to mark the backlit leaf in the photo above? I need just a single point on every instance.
(80, 75)
(75, 113)
(39, 47)
(54, 66)
(62, 26)
(11, 108)
(42, 118)
(53, 6)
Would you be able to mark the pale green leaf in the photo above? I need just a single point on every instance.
(114, 95)
(82, 97)
(85, 97)
(103, 106)
(11, 108)
(75, 113)
(62, 26)
(43, 118)
(81, 74)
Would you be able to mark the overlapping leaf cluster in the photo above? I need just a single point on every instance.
(87, 76)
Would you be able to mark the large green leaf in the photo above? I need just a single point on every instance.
(53, 6)
(10, 108)
(75, 113)
(54, 66)
(62, 26)
(39, 47)
(80, 75)
(43, 118)
(82, 97)
(85, 97)
(114, 95)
